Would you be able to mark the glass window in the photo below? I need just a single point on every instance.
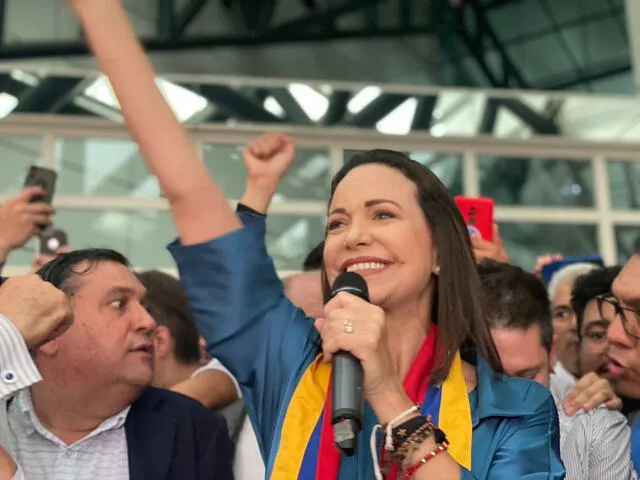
(142, 236)
(446, 166)
(526, 241)
(624, 178)
(104, 167)
(536, 182)
(290, 238)
(626, 238)
(17, 154)
(307, 179)
(24, 255)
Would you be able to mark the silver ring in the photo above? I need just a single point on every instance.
(348, 326)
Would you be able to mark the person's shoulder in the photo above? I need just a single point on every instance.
(600, 418)
(504, 396)
(182, 407)
(525, 393)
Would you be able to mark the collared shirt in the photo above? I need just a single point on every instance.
(101, 455)
(40, 455)
(17, 370)
(594, 445)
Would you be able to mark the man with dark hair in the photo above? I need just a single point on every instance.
(93, 415)
(516, 303)
(594, 445)
(177, 350)
(593, 318)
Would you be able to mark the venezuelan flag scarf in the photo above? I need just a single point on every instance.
(306, 450)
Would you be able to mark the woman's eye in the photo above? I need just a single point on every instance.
(384, 215)
(334, 224)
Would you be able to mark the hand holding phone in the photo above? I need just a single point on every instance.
(478, 215)
(43, 178)
(20, 219)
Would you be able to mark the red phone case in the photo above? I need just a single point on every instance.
(478, 215)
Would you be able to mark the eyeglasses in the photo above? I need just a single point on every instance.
(630, 316)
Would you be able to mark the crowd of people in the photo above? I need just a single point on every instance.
(473, 367)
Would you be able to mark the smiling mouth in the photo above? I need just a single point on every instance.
(364, 266)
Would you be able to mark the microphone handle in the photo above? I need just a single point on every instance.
(347, 401)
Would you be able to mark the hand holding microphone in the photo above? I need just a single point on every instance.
(352, 324)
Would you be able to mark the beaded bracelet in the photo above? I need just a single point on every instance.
(409, 471)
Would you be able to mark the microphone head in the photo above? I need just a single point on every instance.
(352, 283)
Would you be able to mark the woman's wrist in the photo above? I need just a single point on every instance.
(390, 401)
(258, 194)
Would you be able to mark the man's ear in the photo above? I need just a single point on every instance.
(49, 349)
(162, 342)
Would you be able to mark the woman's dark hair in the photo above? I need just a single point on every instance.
(457, 308)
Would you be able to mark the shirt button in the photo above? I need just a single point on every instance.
(8, 376)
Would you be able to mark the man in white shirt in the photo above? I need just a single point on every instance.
(93, 414)
(31, 312)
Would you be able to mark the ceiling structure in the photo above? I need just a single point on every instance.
(577, 46)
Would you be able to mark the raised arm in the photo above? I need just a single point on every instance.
(266, 160)
(163, 141)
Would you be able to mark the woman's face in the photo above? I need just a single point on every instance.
(376, 228)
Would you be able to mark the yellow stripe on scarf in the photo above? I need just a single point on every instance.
(303, 413)
(307, 402)
(455, 414)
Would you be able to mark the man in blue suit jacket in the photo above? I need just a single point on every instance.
(79, 405)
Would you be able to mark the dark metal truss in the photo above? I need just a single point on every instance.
(469, 23)
(479, 37)
(318, 25)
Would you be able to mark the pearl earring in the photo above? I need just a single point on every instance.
(436, 270)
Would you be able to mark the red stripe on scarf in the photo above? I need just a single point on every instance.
(415, 385)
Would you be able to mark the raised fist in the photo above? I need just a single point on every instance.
(40, 311)
(268, 158)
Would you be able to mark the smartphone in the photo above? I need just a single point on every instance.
(44, 178)
(549, 270)
(51, 240)
(478, 215)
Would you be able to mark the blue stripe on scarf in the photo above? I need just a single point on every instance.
(310, 460)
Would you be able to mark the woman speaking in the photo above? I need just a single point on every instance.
(434, 406)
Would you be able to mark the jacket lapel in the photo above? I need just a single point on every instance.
(150, 438)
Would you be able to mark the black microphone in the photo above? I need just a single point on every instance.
(347, 393)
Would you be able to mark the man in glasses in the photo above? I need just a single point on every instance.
(593, 315)
(624, 339)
